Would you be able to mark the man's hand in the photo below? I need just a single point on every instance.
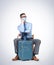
(19, 36)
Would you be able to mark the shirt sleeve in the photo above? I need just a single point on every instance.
(29, 28)
(20, 28)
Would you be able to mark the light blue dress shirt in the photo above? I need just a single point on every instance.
(28, 29)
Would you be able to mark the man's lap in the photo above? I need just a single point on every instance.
(34, 40)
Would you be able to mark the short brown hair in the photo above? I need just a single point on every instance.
(22, 14)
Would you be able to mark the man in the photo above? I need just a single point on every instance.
(28, 30)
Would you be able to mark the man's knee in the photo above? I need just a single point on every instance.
(37, 41)
(15, 39)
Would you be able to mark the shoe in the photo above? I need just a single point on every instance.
(16, 58)
(35, 58)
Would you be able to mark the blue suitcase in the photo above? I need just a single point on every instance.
(25, 51)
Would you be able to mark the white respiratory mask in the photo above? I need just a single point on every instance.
(24, 19)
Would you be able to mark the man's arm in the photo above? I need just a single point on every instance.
(20, 28)
(29, 28)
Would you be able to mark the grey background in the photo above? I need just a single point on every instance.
(40, 13)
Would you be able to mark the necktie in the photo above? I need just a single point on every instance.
(24, 26)
(25, 36)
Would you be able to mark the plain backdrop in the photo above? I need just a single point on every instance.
(40, 14)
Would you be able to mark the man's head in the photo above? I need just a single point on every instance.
(23, 16)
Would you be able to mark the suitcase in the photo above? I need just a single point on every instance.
(25, 51)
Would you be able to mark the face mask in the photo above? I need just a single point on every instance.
(24, 19)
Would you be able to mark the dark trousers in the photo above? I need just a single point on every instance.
(36, 42)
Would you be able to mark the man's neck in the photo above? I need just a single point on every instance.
(23, 22)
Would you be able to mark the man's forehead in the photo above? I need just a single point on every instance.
(23, 15)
